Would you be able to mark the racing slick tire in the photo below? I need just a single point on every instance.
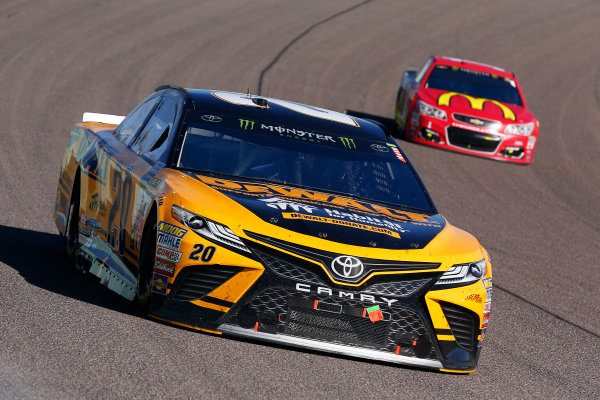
(72, 229)
(146, 268)
(399, 130)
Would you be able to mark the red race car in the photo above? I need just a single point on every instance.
(468, 107)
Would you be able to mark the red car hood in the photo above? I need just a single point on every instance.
(474, 106)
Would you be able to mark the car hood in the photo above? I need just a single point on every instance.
(320, 215)
(474, 106)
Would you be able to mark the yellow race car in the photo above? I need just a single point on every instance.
(272, 220)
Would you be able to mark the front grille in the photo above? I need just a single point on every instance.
(339, 327)
(286, 269)
(341, 320)
(398, 288)
(480, 122)
(462, 324)
(473, 140)
(196, 281)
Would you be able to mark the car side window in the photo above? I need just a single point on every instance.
(424, 70)
(132, 124)
(153, 142)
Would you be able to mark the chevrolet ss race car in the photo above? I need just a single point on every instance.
(468, 107)
(271, 220)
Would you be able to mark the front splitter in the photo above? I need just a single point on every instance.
(329, 347)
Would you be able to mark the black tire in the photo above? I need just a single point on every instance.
(146, 268)
(72, 230)
(399, 130)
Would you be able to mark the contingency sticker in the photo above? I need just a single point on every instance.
(159, 284)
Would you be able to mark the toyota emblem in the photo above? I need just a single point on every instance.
(211, 118)
(347, 267)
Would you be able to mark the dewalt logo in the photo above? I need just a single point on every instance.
(246, 124)
(348, 142)
(476, 103)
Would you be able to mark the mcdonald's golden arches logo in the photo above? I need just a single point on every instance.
(476, 103)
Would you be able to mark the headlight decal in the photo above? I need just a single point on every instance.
(208, 229)
(462, 274)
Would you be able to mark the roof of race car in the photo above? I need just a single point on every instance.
(474, 65)
(282, 112)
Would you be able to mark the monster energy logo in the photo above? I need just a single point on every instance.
(348, 142)
(246, 124)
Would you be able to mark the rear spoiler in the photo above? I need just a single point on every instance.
(102, 118)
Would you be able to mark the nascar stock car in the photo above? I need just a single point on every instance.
(467, 107)
(271, 220)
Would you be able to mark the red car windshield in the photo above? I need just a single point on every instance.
(474, 83)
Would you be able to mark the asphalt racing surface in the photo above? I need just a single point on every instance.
(63, 336)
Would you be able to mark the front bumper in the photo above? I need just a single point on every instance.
(463, 138)
(292, 304)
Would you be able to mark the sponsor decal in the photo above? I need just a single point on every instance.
(164, 267)
(399, 155)
(489, 294)
(379, 147)
(275, 202)
(476, 103)
(346, 207)
(202, 253)
(84, 230)
(530, 142)
(334, 221)
(211, 118)
(485, 320)
(159, 284)
(170, 241)
(341, 294)
(91, 222)
(168, 254)
(374, 314)
(246, 124)
(347, 142)
(347, 267)
(487, 282)
(94, 204)
(476, 121)
(154, 182)
(476, 129)
(474, 297)
(298, 134)
(161, 198)
(171, 229)
(487, 306)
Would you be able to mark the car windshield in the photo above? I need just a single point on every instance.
(474, 83)
(358, 167)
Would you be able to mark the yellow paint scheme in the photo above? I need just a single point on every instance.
(115, 194)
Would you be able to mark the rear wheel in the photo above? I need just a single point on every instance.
(146, 267)
(72, 229)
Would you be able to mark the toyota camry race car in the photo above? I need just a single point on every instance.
(276, 221)
(468, 107)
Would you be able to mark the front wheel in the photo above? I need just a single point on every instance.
(146, 268)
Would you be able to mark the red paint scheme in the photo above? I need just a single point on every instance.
(461, 136)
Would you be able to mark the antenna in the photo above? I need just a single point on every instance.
(249, 95)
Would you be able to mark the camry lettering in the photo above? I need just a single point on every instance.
(306, 288)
